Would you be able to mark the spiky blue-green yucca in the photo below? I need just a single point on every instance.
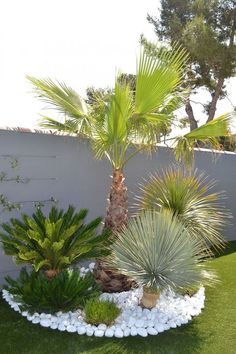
(189, 196)
(156, 251)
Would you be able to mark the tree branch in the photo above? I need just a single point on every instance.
(191, 118)
(215, 97)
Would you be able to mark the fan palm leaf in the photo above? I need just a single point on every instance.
(206, 134)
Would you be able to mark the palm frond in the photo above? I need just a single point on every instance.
(63, 98)
(207, 134)
(157, 77)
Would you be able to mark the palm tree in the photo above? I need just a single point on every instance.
(123, 122)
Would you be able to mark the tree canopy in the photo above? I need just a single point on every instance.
(206, 28)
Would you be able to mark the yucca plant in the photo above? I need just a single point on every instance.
(54, 242)
(67, 291)
(125, 121)
(156, 251)
(189, 196)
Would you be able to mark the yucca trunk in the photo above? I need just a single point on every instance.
(149, 298)
(117, 215)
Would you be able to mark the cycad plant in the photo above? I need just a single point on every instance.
(125, 121)
(189, 196)
(156, 251)
(54, 242)
(65, 292)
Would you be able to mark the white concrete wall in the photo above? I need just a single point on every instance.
(64, 168)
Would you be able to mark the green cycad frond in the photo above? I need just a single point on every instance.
(206, 134)
(53, 242)
(67, 291)
(189, 196)
(156, 251)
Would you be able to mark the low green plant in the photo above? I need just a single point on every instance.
(189, 196)
(67, 291)
(101, 311)
(156, 251)
(54, 242)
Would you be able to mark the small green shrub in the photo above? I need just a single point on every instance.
(53, 243)
(67, 291)
(99, 311)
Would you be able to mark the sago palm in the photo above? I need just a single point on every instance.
(125, 122)
(55, 242)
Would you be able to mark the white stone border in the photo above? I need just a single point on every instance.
(172, 310)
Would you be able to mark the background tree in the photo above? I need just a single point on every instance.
(206, 28)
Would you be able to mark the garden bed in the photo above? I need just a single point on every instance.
(172, 310)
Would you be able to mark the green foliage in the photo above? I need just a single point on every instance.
(137, 112)
(100, 311)
(130, 115)
(65, 292)
(53, 242)
(156, 251)
(207, 30)
(189, 196)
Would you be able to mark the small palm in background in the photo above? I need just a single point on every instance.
(189, 196)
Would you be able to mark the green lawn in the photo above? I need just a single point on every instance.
(214, 331)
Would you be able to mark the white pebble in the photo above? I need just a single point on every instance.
(142, 332)
(71, 329)
(54, 325)
(36, 320)
(139, 323)
(152, 331)
(102, 326)
(61, 327)
(81, 330)
(45, 322)
(119, 333)
(99, 333)
(127, 332)
(159, 327)
(89, 331)
(133, 331)
(109, 333)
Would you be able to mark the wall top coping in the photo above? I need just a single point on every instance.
(54, 133)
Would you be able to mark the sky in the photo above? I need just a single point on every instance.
(81, 42)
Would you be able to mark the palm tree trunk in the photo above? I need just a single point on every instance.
(117, 215)
(117, 211)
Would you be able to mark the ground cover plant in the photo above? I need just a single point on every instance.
(55, 242)
(67, 291)
(101, 311)
(203, 335)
